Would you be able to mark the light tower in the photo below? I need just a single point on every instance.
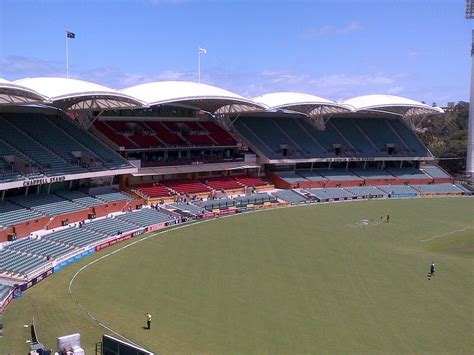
(470, 130)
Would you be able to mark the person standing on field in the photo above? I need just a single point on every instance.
(432, 268)
(148, 320)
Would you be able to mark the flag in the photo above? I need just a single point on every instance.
(202, 50)
(70, 34)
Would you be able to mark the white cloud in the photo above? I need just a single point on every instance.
(329, 30)
(16, 67)
(412, 53)
(395, 89)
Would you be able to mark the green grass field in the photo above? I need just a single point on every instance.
(294, 280)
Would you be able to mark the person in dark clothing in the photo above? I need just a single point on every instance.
(148, 320)
(432, 269)
(388, 218)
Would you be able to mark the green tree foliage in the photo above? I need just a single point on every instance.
(446, 137)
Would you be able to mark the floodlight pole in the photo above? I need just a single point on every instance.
(470, 130)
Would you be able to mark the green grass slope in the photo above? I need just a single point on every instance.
(304, 279)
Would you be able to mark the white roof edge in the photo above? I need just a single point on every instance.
(58, 89)
(370, 102)
(5, 84)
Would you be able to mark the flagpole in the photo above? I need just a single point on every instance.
(199, 64)
(67, 57)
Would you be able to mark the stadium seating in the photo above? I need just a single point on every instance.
(435, 172)
(110, 226)
(342, 136)
(50, 161)
(40, 247)
(338, 175)
(4, 291)
(219, 135)
(113, 196)
(223, 183)
(188, 207)
(164, 134)
(311, 175)
(408, 174)
(438, 189)
(117, 138)
(365, 191)
(395, 190)
(358, 139)
(50, 205)
(187, 186)
(415, 145)
(153, 190)
(330, 194)
(17, 263)
(290, 176)
(250, 181)
(111, 159)
(80, 198)
(75, 237)
(11, 214)
(379, 132)
(290, 196)
(240, 201)
(145, 217)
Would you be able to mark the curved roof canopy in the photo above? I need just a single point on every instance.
(80, 95)
(195, 95)
(392, 104)
(309, 105)
(14, 94)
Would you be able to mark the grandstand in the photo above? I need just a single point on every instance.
(75, 170)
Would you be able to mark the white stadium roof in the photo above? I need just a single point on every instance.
(303, 103)
(14, 94)
(392, 104)
(78, 94)
(195, 95)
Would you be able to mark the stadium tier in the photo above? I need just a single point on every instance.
(328, 194)
(251, 181)
(438, 189)
(17, 263)
(75, 237)
(365, 191)
(187, 186)
(80, 198)
(11, 214)
(149, 134)
(49, 205)
(395, 190)
(290, 196)
(286, 137)
(34, 144)
(145, 217)
(188, 207)
(113, 196)
(40, 247)
(223, 183)
(153, 190)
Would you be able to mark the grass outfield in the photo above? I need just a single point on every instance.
(304, 279)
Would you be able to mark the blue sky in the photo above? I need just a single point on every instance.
(332, 48)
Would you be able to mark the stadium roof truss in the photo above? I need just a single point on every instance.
(309, 105)
(75, 95)
(14, 94)
(413, 112)
(211, 99)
